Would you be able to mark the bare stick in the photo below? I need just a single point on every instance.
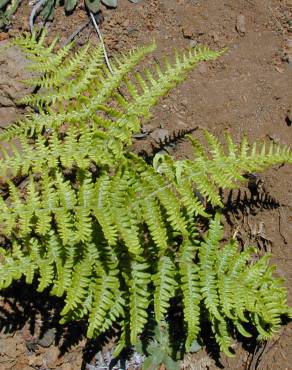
(75, 33)
(102, 43)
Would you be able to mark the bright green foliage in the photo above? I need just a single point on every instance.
(111, 234)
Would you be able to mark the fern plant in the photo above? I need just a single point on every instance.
(113, 235)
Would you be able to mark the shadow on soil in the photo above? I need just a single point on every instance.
(21, 305)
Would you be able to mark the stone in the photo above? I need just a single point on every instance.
(240, 25)
(6, 102)
(193, 43)
(8, 115)
(51, 357)
(188, 31)
(48, 338)
(13, 70)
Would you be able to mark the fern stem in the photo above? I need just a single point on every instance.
(102, 43)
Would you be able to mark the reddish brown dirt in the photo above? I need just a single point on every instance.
(248, 90)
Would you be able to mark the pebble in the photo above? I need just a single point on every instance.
(193, 43)
(48, 338)
(6, 102)
(188, 31)
(240, 24)
(52, 357)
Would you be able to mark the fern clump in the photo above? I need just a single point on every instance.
(113, 235)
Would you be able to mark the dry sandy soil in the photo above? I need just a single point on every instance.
(248, 90)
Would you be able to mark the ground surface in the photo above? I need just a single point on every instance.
(247, 91)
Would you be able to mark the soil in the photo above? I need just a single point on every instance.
(247, 91)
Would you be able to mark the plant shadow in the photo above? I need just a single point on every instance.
(22, 306)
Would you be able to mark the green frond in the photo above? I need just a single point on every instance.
(138, 284)
(156, 87)
(64, 269)
(16, 264)
(207, 257)
(33, 48)
(47, 62)
(77, 290)
(46, 273)
(82, 214)
(222, 336)
(165, 284)
(108, 303)
(68, 80)
(191, 291)
(153, 218)
(102, 209)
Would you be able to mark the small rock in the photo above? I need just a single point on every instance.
(193, 43)
(188, 32)
(6, 102)
(240, 24)
(48, 338)
(31, 345)
(160, 135)
(52, 357)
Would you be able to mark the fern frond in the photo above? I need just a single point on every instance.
(104, 311)
(139, 297)
(191, 291)
(105, 83)
(207, 257)
(33, 48)
(156, 87)
(165, 285)
(78, 286)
